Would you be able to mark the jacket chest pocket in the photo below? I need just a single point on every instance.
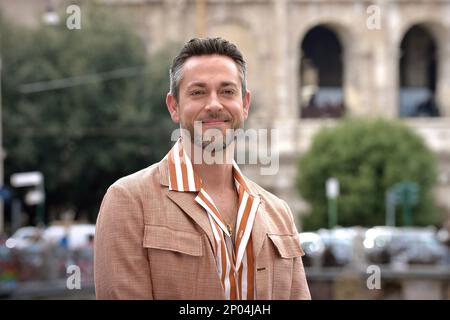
(164, 238)
(287, 249)
(174, 258)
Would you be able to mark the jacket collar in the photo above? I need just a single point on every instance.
(186, 201)
(165, 176)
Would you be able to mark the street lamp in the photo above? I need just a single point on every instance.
(332, 188)
(33, 197)
(405, 193)
(50, 16)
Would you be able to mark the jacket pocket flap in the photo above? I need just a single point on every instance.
(288, 246)
(164, 238)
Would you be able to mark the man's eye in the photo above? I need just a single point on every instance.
(196, 92)
(228, 92)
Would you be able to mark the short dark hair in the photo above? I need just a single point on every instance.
(206, 46)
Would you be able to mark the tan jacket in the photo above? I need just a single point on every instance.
(152, 243)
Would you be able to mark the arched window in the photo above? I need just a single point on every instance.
(418, 65)
(321, 74)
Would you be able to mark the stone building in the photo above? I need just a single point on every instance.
(310, 61)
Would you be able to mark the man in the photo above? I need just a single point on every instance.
(183, 229)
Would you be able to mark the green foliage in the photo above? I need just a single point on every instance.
(82, 137)
(367, 157)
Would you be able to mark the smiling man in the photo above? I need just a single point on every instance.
(183, 229)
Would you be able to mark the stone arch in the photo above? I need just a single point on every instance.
(419, 63)
(435, 28)
(321, 75)
(350, 49)
(345, 34)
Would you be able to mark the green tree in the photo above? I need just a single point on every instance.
(106, 121)
(367, 157)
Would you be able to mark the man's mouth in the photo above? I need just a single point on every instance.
(215, 121)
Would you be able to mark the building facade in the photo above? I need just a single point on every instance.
(310, 62)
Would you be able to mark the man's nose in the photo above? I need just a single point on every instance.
(213, 104)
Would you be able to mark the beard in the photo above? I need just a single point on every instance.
(213, 139)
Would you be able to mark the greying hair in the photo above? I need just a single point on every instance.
(206, 46)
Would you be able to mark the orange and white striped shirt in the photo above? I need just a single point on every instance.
(235, 264)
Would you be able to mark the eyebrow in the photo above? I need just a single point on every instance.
(203, 85)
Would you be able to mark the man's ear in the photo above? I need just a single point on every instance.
(172, 106)
(246, 104)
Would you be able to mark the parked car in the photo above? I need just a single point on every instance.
(73, 237)
(314, 248)
(443, 235)
(376, 244)
(404, 245)
(340, 245)
(417, 246)
(44, 254)
(29, 252)
(24, 237)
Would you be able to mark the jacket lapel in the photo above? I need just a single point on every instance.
(259, 234)
(259, 230)
(186, 201)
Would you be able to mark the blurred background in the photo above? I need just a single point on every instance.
(358, 93)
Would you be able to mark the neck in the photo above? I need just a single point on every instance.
(215, 175)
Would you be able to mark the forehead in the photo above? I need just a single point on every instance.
(210, 68)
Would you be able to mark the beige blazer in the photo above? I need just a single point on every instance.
(152, 243)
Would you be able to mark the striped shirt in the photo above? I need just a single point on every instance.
(235, 262)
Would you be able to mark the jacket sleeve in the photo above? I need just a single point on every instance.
(299, 288)
(121, 266)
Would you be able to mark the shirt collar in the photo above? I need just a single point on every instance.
(182, 177)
